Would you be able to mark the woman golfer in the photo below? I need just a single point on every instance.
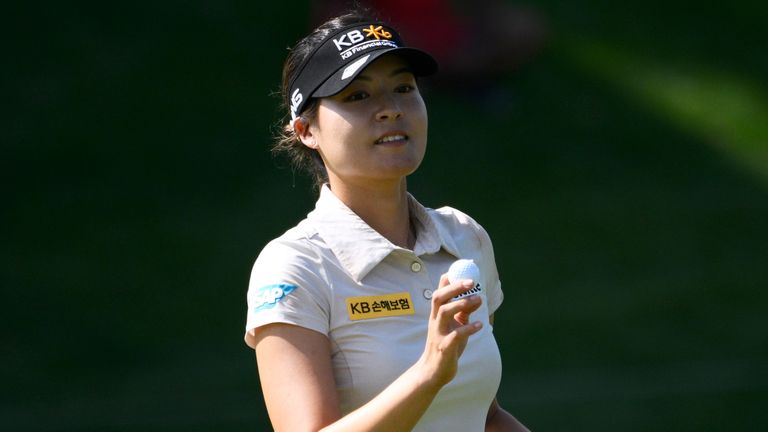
(353, 320)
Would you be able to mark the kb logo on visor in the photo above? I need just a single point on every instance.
(376, 32)
(355, 36)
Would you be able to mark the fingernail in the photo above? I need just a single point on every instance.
(467, 283)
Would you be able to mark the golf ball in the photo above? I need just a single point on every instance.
(465, 269)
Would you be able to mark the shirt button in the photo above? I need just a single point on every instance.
(427, 294)
(416, 267)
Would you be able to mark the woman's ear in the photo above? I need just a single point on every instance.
(302, 130)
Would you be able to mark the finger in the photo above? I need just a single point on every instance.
(466, 305)
(461, 334)
(448, 292)
(462, 317)
(447, 313)
(468, 330)
(464, 332)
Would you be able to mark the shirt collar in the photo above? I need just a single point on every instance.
(358, 247)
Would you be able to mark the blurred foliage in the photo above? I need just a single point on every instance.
(622, 179)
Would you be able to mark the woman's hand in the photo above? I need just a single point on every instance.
(448, 331)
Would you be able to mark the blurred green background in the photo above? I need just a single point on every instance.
(623, 179)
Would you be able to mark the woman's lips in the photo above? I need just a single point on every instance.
(392, 138)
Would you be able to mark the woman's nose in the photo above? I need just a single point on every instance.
(390, 110)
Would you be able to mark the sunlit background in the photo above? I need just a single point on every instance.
(621, 168)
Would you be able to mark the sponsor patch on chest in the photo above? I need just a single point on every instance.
(369, 307)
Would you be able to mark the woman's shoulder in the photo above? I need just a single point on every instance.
(300, 240)
(295, 257)
(456, 226)
(453, 219)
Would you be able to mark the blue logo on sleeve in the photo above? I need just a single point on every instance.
(268, 296)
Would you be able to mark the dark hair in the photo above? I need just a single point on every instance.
(301, 157)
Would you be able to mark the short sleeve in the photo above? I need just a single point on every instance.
(468, 238)
(494, 294)
(287, 286)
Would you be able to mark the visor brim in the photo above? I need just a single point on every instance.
(421, 63)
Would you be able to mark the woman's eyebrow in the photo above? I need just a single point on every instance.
(398, 71)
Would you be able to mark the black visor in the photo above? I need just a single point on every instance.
(344, 54)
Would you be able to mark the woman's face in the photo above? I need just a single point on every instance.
(375, 130)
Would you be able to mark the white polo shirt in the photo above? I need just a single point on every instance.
(334, 274)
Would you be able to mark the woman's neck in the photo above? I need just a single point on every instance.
(383, 207)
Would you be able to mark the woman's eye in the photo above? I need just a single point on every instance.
(405, 88)
(356, 96)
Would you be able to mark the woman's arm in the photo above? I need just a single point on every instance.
(499, 420)
(297, 377)
(294, 370)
